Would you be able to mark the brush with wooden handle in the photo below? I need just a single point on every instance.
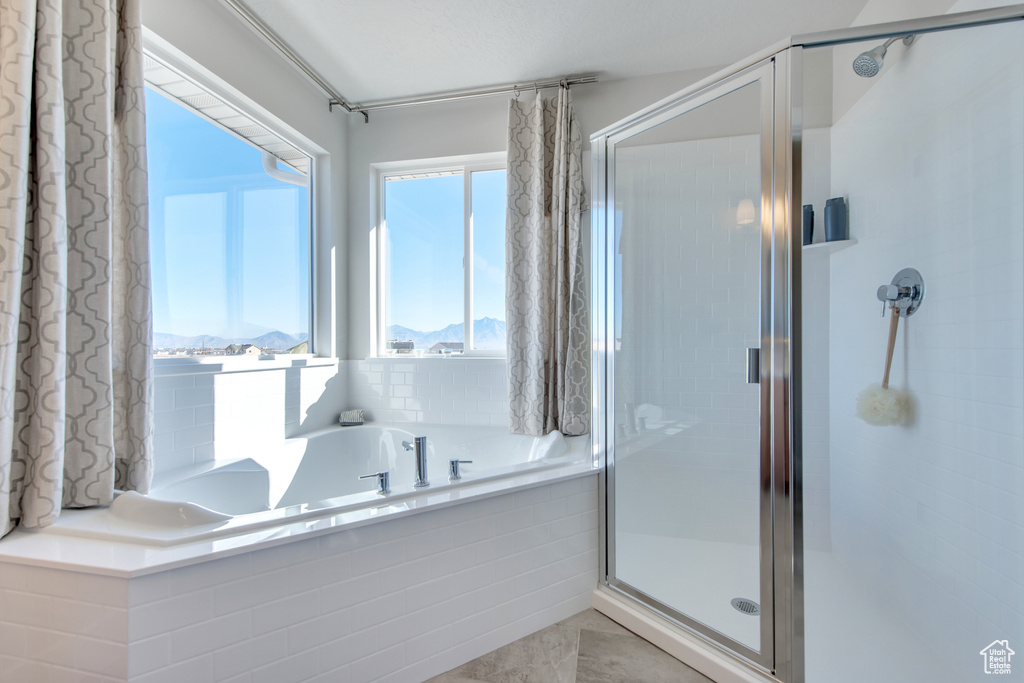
(878, 404)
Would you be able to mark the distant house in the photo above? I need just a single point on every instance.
(242, 350)
(441, 347)
(400, 346)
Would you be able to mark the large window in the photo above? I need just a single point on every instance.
(229, 235)
(443, 261)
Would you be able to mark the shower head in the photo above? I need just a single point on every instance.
(868, 64)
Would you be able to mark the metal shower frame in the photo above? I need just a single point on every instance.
(782, 653)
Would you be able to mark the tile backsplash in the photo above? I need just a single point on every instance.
(203, 414)
(437, 390)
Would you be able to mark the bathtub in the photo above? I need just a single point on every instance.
(313, 483)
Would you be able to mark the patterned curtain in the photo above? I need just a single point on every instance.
(75, 307)
(545, 294)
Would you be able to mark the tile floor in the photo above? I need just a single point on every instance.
(585, 648)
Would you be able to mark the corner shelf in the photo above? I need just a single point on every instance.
(828, 247)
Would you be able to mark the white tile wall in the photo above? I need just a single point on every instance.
(203, 415)
(436, 390)
(932, 162)
(816, 185)
(398, 601)
(62, 626)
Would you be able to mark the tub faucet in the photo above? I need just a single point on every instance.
(419, 444)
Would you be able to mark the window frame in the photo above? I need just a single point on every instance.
(156, 49)
(466, 165)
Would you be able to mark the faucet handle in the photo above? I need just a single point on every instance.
(383, 481)
(453, 467)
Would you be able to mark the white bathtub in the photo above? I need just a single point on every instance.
(315, 481)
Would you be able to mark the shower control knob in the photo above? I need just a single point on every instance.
(888, 293)
(905, 292)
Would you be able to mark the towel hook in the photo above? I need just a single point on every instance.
(536, 89)
(515, 91)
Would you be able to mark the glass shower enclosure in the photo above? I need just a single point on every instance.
(746, 499)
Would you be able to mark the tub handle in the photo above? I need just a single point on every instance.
(383, 481)
(453, 467)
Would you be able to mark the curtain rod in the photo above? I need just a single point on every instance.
(511, 89)
(336, 99)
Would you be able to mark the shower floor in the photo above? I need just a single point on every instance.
(851, 636)
(678, 571)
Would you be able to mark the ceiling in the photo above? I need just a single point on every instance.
(371, 50)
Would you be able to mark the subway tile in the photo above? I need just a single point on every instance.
(378, 664)
(188, 398)
(353, 647)
(173, 613)
(250, 654)
(149, 655)
(101, 657)
(341, 595)
(285, 612)
(298, 667)
(193, 436)
(210, 635)
(198, 670)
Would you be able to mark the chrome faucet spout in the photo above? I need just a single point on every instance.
(419, 445)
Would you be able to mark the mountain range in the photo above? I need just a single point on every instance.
(489, 333)
(271, 340)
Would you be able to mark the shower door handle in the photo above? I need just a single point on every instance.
(753, 366)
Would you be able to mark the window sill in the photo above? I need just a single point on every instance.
(225, 364)
(404, 357)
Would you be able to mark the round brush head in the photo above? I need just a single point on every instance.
(883, 406)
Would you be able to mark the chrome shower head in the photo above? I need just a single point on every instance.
(868, 64)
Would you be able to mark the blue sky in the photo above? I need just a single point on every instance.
(426, 245)
(229, 244)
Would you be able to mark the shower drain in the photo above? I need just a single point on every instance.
(746, 606)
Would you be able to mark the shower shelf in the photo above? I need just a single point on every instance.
(828, 247)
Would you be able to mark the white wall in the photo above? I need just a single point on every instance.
(928, 514)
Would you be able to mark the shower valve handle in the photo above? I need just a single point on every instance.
(896, 296)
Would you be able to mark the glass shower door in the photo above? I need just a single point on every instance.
(689, 525)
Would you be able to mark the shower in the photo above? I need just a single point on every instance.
(868, 64)
(746, 506)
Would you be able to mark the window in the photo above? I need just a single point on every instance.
(229, 227)
(433, 300)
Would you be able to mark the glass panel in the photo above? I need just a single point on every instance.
(489, 260)
(229, 244)
(687, 526)
(424, 278)
(914, 531)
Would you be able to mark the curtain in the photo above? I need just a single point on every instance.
(75, 307)
(548, 333)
